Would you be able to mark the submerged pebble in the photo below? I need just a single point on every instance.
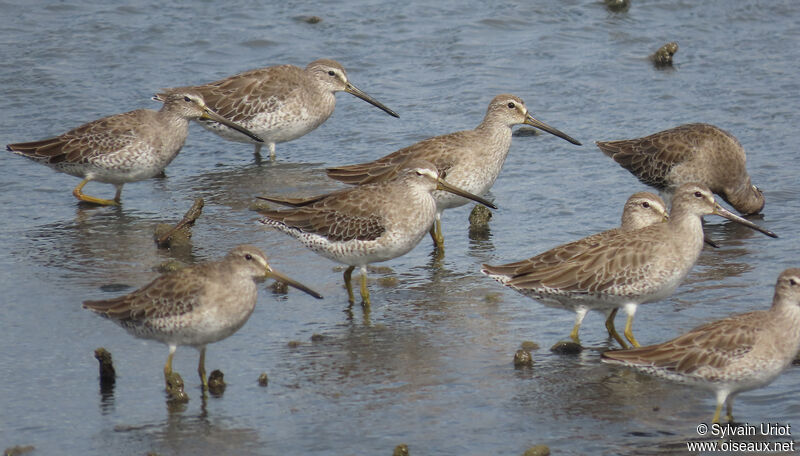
(107, 373)
(216, 382)
(479, 216)
(279, 287)
(18, 450)
(529, 345)
(566, 348)
(523, 358)
(617, 6)
(525, 131)
(663, 56)
(538, 450)
(175, 389)
(308, 19)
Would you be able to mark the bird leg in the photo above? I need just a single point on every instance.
(612, 331)
(364, 290)
(168, 365)
(629, 332)
(436, 234)
(347, 275)
(201, 368)
(579, 315)
(77, 192)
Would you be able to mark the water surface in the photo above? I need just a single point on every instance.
(431, 365)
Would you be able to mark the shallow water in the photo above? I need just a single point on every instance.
(431, 365)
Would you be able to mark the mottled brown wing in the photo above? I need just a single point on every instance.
(374, 171)
(551, 257)
(168, 295)
(241, 96)
(441, 151)
(341, 218)
(651, 158)
(596, 269)
(81, 144)
(715, 344)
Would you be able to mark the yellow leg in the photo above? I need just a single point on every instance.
(629, 332)
(77, 192)
(168, 365)
(716, 413)
(436, 234)
(574, 334)
(201, 368)
(364, 291)
(729, 417)
(348, 273)
(612, 331)
(580, 313)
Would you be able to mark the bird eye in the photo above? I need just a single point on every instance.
(645, 204)
(248, 257)
(698, 194)
(511, 105)
(331, 73)
(792, 282)
(187, 99)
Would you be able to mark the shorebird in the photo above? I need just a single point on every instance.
(625, 269)
(123, 148)
(470, 159)
(197, 305)
(739, 353)
(279, 103)
(641, 209)
(697, 152)
(369, 223)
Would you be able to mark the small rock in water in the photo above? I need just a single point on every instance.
(401, 450)
(216, 382)
(566, 348)
(525, 131)
(617, 6)
(107, 373)
(309, 19)
(529, 345)
(479, 216)
(279, 287)
(175, 389)
(17, 450)
(663, 56)
(538, 450)
(263, 380)
(522, 358)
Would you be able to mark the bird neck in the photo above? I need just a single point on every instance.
(744, 198)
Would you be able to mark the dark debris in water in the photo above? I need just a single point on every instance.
(18, 450)
(537, 450)
(175, 391)
(216, 383)
(566, 348)
(107, 373)
(523, 358)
